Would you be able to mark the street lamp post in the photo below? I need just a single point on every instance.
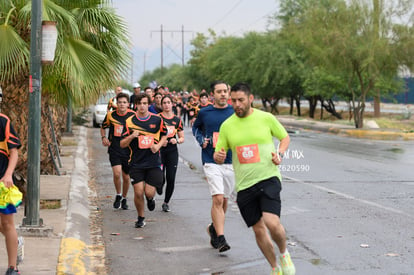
(35, 87)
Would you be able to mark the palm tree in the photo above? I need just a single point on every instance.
(91, 56)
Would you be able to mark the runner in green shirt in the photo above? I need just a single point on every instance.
(249, 133)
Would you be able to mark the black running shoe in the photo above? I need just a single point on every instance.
(117, 202)
(140, 223)
(165, 207)
(124, 204)
(213, 235)
(222, 244)
(12, 271)
(151, 204)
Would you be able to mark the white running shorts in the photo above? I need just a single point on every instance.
(220, 178)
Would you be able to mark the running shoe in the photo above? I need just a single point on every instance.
(124, 204)
(20, 250)
(222, 244)
(288, 267)
(165, 207)
(117, 202)
(211, 231)
(12, 271)
(276, 271)
(151, 204)
(140, 223)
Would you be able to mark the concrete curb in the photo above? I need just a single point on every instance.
(74, 255)
(377, 134)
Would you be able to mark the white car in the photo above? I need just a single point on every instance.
(100, 108)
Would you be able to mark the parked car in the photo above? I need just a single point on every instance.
(100, 108)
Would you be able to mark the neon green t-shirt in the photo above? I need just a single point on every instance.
(251, 141)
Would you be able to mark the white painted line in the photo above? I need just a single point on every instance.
(350, 197)
(181, 248)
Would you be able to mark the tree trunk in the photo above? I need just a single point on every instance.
(297, 99)
(16, 106)
(265, 100)
(350, 111)
(321, 117)
(359, 117)
(313, 102)
(273, 105)
(330, 107)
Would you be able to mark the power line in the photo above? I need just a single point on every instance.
(257, 20)
(162, 31)
(225, 16)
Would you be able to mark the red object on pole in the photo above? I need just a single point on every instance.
(30, 84)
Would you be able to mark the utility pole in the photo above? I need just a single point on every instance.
(162, 31)
(145, 60)
(162, 51)
(35, 88)
(182, 45)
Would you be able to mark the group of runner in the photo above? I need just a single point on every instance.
(135, 140)
(238, 153)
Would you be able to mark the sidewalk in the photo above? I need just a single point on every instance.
(60, 246)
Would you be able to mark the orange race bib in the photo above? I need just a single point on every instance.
(145, 142)
(248, 153)
(215, 138)
(170, 131)
(118, 129)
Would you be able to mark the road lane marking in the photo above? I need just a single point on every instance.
(181, 248)
(350, 197)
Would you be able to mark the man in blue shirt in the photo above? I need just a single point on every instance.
(220, 178)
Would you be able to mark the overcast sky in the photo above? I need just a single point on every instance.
(144, 20)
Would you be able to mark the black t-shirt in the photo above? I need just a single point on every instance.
(151, 129)
(116, 124)
(174, 125)
(8, 140)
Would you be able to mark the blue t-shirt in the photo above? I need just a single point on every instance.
(207, 125)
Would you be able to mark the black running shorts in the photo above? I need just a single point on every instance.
(119, 159)
(152, 176)
(264, 196)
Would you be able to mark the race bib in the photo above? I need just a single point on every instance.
(118, 129)
(145, 142)
(170, 131)
(215, 138)
(248, 153)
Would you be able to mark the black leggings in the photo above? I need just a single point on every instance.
(169, 166)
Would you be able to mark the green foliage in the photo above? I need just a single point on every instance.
(91, 53)
(347, 49)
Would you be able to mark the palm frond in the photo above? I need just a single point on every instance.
(86, 71)
(14, 53)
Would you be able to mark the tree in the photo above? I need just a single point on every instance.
(91, 55)
(322, 86)
(340, 38)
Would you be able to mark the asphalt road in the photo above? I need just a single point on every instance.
(347, 208)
